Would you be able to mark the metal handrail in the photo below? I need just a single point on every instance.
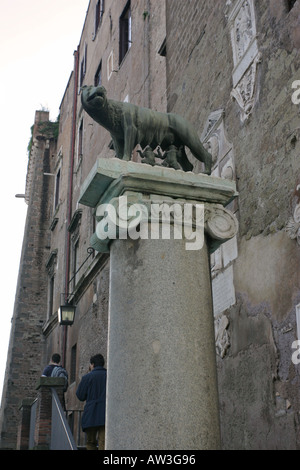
(75, 425)
(61, 435)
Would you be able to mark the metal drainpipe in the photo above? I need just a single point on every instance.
(70, 191)
(147, 56)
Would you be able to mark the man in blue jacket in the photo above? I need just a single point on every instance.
(92, 389)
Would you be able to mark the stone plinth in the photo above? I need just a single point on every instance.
(110, 177)
(162, 384)
(43, 421)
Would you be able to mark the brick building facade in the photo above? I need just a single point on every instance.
(229, 67)
(27, 340)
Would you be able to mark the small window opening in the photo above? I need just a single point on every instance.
(51, 296)
(73, 364)
(57, 189)
(75, 262)
(98, 76)
(290, 4)
(125, 32)
(163, 48)
(83, 65)
(99, 14)
(80, 140)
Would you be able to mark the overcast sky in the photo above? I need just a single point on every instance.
(37, 41)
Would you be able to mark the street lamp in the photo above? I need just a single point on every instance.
(66, 314)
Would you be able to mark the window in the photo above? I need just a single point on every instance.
(74, 229)
(99, 11)
(125, 32)
(51, 267)
(98, 76)
(73, 364)
(83, 65)
(51, 296)
(75, 262)
(163, 48)
(290, 4)
(80, 140)
(57, 189)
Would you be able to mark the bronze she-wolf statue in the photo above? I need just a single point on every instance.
(130, 125)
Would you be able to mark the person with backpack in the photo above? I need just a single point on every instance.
(92, 389)
(54, 369)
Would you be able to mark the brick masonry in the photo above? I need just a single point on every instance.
(25, 353)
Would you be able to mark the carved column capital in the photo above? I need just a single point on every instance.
(126, 217)
(220, 224)
(127, 196)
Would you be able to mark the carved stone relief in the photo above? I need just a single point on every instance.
(223, 291)
(222, 335)
(216, 142)
(244, 92)
(293, 226)
(246, 57)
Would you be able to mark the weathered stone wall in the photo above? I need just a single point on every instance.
(259, 384)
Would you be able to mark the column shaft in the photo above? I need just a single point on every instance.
(162, 386)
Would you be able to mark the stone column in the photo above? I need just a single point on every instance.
(162, 383)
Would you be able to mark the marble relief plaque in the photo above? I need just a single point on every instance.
(223, 291)
(246, 56)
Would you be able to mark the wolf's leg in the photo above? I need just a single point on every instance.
(200, 153)
(119, 148)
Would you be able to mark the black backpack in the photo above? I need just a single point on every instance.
(59, 371)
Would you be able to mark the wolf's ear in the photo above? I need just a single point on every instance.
(103, 90)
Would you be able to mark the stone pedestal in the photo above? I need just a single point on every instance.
(43, 420)
(162, 384)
